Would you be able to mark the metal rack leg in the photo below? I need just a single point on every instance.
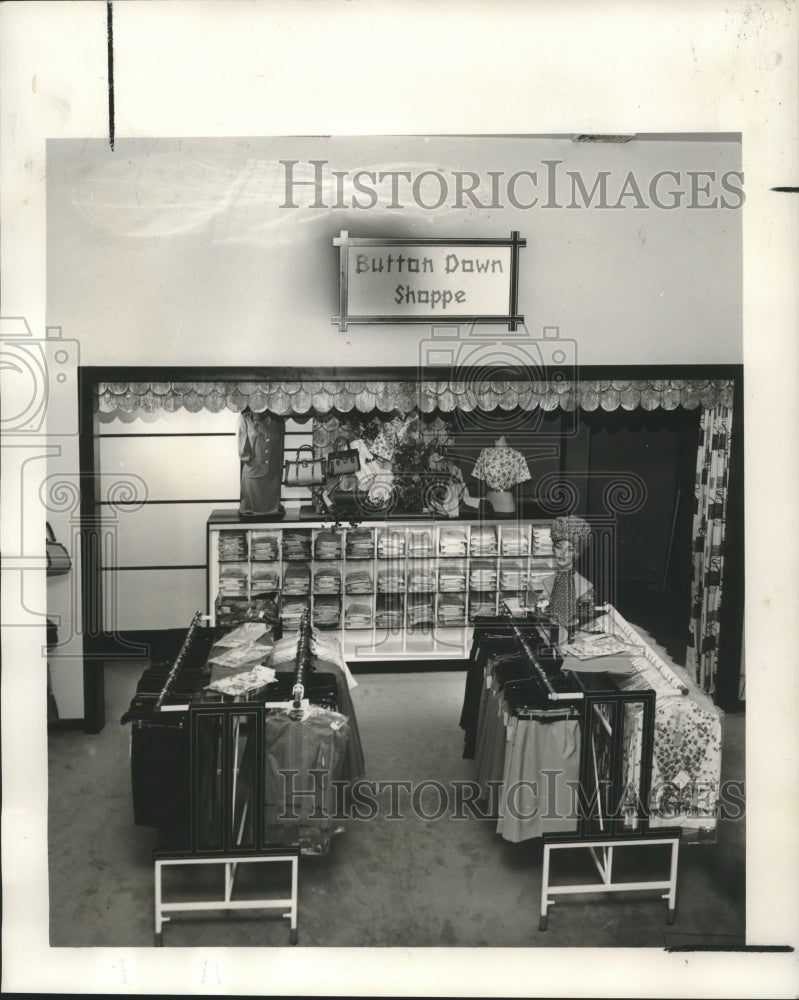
(672, 894)
(293, 933)
(159, 938)
(542, 919)
(605, 869)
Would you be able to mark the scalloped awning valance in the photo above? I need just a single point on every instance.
(304, 397)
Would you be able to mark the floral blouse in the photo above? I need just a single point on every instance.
(501, 468)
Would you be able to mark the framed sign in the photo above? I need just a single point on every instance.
(387, 280)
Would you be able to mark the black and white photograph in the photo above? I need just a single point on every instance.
(406, 433)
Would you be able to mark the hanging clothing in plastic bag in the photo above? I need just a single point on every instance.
(303, 757)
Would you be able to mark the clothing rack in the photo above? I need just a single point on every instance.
(178, 663)
(303, 661)
(226, 741)
(617, 734)
(604, 830)
(527, 649)
(226, 800)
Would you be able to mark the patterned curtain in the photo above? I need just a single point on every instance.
(712, 471)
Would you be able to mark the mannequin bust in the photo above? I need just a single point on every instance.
(501, 500)
(567, 592)
(501, 468)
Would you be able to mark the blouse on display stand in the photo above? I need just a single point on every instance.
(501, 468)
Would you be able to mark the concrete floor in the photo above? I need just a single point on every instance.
(400, 883)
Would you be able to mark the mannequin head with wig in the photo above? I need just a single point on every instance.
(570, 536)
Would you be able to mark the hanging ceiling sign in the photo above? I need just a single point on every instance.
(428, 280)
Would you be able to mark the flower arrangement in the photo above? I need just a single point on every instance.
(414, 452)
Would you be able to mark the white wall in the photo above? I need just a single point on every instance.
(187, 465)
(176, 252)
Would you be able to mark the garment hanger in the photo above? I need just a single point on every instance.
(543, 715)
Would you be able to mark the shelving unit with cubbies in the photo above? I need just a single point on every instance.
(390, 589)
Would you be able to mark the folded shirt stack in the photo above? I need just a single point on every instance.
(233, 658)
(327, 545)
(292, 611)
(452, 542)
(390, 544)
(359, 581)
(481, 604)
(232, 545)
(420, 543)
(327, 612)
(245, 684)
(451, 579)
(297, 580)
(421, 580)
(263, 608)
(514, 542)
(233, 579)
(360, 543)
(420, 612)
(265, 577)
(296, 545)
(358, 616)
(327, 580)
(264, 545)
(451, 610)
(542, 542)
(482, 577)
(230, 610)
(483, 541)
(390, 611)
(513, 578)
(391, 580)
(233, 586)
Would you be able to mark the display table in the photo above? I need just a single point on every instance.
(686, 765)
(684, 789)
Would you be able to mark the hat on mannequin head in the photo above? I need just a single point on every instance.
(571, 529)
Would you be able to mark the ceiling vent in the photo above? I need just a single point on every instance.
(584, 137)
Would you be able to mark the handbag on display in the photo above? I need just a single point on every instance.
(304, 471)
(58, 561)
(343, 461)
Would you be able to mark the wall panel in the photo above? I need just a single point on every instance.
(174, 468)
(170, 534)
(151, 599)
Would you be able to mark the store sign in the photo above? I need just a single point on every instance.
(428, 281)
